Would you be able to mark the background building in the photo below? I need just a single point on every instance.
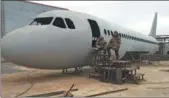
(163, 43)
(15, 14)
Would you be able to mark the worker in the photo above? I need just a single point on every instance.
(114, 44)
(101, 43)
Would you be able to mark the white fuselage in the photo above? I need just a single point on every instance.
(52, 47)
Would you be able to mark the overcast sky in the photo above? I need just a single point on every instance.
(135, 15)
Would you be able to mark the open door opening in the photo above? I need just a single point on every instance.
(95, 31)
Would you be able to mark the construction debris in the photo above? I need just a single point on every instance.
(103, 93)
(51, 93)
(68, 93)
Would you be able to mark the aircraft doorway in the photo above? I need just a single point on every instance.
(95, 31)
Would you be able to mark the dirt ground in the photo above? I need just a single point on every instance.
(37, 81)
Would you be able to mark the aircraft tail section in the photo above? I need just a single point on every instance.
(154, 26)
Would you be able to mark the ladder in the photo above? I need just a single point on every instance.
(102, 58)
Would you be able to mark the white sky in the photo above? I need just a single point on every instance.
(135, 15)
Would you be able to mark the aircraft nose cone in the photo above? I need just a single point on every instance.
(31, 48)
(12, 47)
(36, 47)
(18, 46)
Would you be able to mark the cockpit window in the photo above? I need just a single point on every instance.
(59, 22)
(42, 21)
(70, 23)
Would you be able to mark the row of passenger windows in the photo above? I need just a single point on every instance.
(110, 33)
(59, 22)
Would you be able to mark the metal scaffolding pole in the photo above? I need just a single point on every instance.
(2, 19)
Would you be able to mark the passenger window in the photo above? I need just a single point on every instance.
(59, 22)
(70, 23)
(127, 36)
(119, 34)
(108, 32)
(132, 38)
(105, 32)
(142, 40)
(112, 33)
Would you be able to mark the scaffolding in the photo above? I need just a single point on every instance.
(114, 71)
(2, 19)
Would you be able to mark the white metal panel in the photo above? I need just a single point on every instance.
(21, 13)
